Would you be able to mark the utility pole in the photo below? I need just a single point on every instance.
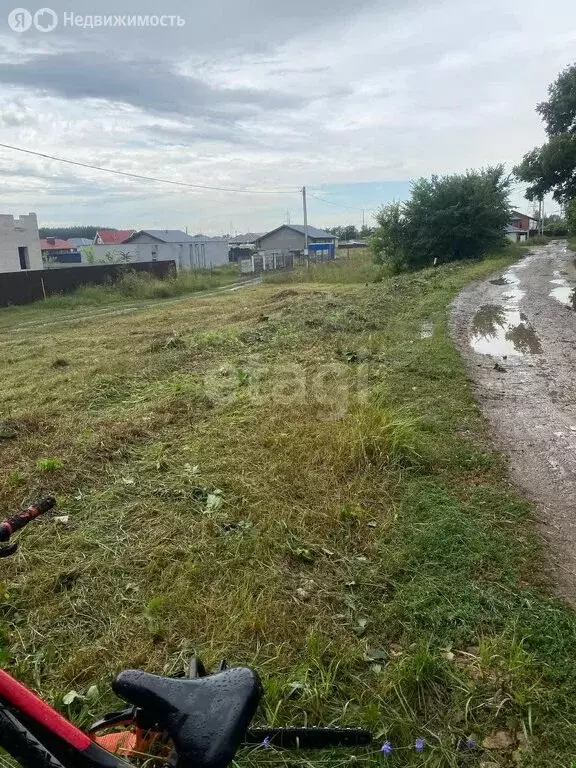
(305, 225)
(540, 215)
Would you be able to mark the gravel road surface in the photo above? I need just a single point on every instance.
(517, 333)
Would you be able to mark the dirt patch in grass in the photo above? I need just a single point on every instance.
(320, 503)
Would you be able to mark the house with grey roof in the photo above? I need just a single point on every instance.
(186, 251)
(290, 237)
(248, 238)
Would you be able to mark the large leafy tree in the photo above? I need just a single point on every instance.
(552, 167)
(447, 218)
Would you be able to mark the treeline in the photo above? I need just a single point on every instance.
(64, 233)
(350, 232)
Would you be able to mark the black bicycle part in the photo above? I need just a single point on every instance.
(20, 520)
(206, 717)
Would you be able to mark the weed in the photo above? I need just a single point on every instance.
(381, 436)
(49, 465)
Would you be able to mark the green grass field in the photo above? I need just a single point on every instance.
(292, 477)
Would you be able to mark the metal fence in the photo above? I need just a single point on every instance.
(263, 261)
(35, 284)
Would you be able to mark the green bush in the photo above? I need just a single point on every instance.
(556, 229)
(447, 218)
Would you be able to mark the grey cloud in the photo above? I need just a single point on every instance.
(149, 85)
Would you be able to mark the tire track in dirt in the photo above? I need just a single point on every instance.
(517, 334)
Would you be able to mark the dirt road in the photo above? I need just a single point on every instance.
(517, 333)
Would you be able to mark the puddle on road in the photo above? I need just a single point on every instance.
(562, 290)
(427, 329)
(502, 329)
(499, 281)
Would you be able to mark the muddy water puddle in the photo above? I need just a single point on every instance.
(501, 329)
(562, 290)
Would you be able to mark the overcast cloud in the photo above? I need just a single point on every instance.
(270, 95)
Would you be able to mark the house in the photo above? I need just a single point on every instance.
(249, 238)
(515, 234)
(112, 236)
(187, 251)
(58, 251)
(241, 246)
(290, 237)
(19, 243)
(524, 223)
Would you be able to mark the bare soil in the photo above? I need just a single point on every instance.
(517, 334)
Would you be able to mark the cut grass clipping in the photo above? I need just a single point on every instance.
(289, 476)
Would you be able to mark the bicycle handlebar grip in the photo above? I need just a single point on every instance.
(16, 522)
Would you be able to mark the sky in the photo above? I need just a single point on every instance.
(353, 100)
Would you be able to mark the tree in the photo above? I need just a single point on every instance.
(88, 231)
(552, 167)
(447, 218)
(571, 218)
(349, 232)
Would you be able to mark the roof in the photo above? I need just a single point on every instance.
(112, 236)
(515, 230)
(167, 235)
(249, 237)
(313, 232)
(80, 241)
(523, 215)
(209, 238)
(54, 244)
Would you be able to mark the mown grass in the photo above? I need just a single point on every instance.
(291, 477)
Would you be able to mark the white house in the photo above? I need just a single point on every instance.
(188, 252)
(19, 243)
(515, 234)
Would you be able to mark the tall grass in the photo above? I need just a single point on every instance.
(139, 286)
(357, 268)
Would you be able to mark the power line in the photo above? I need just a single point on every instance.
(337, 205)
(150, 178)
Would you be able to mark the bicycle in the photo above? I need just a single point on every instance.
(199, 721)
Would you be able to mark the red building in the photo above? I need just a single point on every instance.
(524, 222)
(112, 236)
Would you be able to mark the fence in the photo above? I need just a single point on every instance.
(36, 284)
(263, 261)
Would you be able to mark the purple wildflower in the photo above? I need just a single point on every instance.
(466, 744)
(386, 749)
(419, 745)
(266, 742)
